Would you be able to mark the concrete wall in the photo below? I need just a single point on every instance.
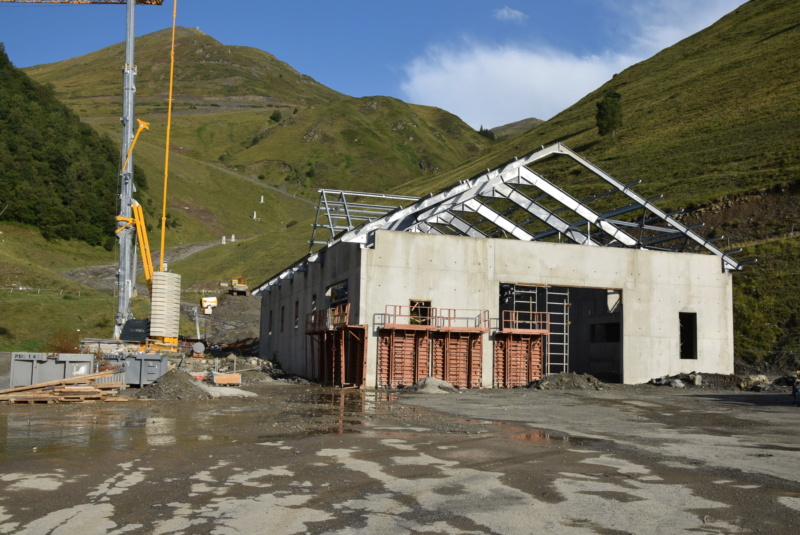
(465, 273)
(290, 345)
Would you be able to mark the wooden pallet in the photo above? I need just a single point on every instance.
(82, 389)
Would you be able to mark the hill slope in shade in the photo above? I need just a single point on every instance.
(55, 171)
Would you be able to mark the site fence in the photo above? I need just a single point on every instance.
(39, 291)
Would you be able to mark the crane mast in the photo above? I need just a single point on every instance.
(126, 272)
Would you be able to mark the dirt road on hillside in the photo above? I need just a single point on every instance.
(103, 278)
(301, 459)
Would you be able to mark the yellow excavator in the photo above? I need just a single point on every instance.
(238, 286)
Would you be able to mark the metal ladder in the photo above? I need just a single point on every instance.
(526, 298)
(558, 305)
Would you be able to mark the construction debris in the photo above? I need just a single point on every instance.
(431, 385)
(174, 385)
(80, 389)
(567, 381)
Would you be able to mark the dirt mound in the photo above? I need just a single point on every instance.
(430, 385)
(567, 381)
(233, 324)
(175, 384)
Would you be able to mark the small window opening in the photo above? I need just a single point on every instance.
(420, 312)
(269, 325)
(282, 317)
(688, 322)
(296, 314)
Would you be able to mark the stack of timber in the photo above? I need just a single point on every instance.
(82, 389)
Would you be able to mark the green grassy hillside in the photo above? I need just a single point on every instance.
(208, 76)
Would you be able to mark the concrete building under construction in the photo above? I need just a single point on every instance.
(500, 280)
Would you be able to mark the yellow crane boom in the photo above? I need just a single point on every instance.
(146, 2)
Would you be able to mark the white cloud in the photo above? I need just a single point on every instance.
(509, 15)
(492, 85)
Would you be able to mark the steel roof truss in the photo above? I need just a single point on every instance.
(727, 262)
(542, 214)
(576, 206)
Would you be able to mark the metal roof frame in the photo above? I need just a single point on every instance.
(465, 209)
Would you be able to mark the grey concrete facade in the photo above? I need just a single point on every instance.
(644, 292)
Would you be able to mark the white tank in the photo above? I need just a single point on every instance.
(165, 305)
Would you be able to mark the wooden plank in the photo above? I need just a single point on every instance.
(76, 389)
(228, 379)
(67, 381)
(109, 386)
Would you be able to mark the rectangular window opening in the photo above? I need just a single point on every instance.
(419, 312)
(688, 327)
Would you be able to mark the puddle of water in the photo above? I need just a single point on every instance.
(66, 430)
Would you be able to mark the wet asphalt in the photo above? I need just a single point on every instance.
(306, 459)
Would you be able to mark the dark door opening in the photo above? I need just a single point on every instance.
(585, 327)
(688, 323)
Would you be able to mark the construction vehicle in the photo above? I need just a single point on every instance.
(238, 286)
(208, 304)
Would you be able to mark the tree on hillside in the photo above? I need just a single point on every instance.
(485, 132)
(609, 113)
(276, 116)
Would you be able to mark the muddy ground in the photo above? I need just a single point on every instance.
(307, 459)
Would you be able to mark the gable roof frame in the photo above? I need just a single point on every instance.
(356, 222)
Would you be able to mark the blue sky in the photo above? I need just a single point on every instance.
(489, 62)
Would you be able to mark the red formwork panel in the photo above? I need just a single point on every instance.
(354, 357)
(403, 357)
(456, 357)
(518, 359)
(340, 356)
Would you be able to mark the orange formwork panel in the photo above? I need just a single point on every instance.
(518, 359)
(457, 358)
(339, 355)
(403, 357)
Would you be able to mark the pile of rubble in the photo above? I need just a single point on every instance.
(715, 381)
(174, 385)
(567, 381)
